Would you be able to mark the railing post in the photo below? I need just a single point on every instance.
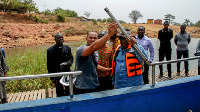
(153, 76)
(71, 91)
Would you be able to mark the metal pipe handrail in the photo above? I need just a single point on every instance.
(39, 76)
(47, 75)
(167, 62)
(174, 61)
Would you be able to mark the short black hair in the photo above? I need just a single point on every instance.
(126, 29)
(141, 27)
(183, 26)
(166, 22)
(102, 33)
(121, 34)
(89, 32)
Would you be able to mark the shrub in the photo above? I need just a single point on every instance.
(44, 21)
(36, 19)
(70, 31)
(94, 21)
(60, 18)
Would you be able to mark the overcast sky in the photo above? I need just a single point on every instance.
(150, 9)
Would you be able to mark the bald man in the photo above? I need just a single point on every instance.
(87, 61)
(59, 59)
(182, 39)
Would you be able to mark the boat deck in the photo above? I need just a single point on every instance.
(51, 93)
(192, 72)
(31, 95)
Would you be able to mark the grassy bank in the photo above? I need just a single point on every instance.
(30, 61)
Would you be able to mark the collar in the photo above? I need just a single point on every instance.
(120, 49)
(183, 33)
(163, 30)
(139, 38)
(58, 46)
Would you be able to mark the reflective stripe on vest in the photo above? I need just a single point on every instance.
(133, 65)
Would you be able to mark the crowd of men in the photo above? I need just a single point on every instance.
(109, 60)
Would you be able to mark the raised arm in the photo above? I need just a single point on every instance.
(101, 42)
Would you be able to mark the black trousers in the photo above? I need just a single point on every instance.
(82, 91)
(185, 54)
(145, 74)
(165, 53)
(105, 83)
(198, 70)
(60, 89)
(4, 100)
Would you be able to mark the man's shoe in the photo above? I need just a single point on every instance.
(169, 75)
(187, 75)
(178, 74)
(160, 76)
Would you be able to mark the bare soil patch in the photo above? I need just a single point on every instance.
(20, 32)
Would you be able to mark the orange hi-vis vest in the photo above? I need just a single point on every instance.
(134, 67)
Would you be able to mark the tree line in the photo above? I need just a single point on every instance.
(134, 15)
(18, 4)
(66, 13)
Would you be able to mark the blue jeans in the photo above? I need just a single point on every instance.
(185, 55)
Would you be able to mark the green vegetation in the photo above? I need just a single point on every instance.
(18, 5)
(66, 13)
(44, 21)
(170, 18)
(73, 31)
(60, 14)
(47, 12)
(60, 18)
(30, 61)
(109, 20)
(36, 18)
(27, 63)
(187, 22)
(94, 21)
(197, 24)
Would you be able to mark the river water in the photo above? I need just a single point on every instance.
(155, 41)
